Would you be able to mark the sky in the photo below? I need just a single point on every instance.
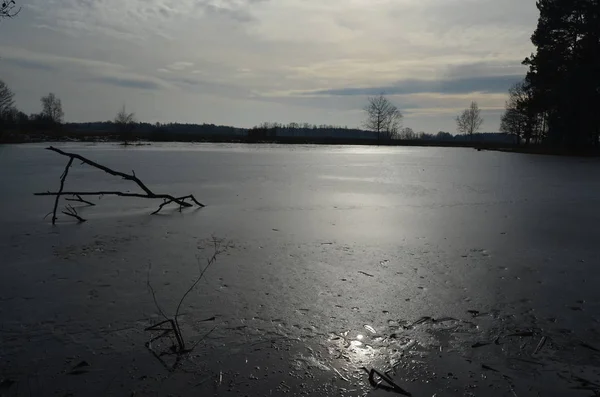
(243, 62)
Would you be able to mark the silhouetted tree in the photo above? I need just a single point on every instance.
(564, 72)
(21, 118)
(10, 116)
(444, 136)
(8, 9)
(422, 135)
(6, 98)
(263, 131)
(512, 123)
(41, 123)
(407, 134)
(52, 109)
(470, 120)
(519, 119)
(7, 110)
(383, 117)
(125, 123)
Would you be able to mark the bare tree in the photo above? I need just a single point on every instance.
(512, 123)
(383, 117)
(125, 123)
(52, 108)
(8, 9)
(521, 118)
(7, 102)
(470, 120)
(444, 136)
(408, 134)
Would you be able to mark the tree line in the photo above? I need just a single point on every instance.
(384, 119)
(384, 123)
(50, 117)
(270, 130)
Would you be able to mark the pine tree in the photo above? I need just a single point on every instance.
(564, 73)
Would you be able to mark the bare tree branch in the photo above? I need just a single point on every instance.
(154, 294)
(70, 211)
(180, 201)
(217, 250)
(203, 337)
(7, 9)
(62, 185)
(173, 323)
(147, 192)
(77, 198)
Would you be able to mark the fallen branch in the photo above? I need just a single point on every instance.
(377, 379)
(70, 211)
(541, 344)
(63, 177)
(217, 250)
(170, 325)
(77, 198)
(180, 201)
(147, 193)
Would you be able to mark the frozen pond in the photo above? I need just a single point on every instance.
(455, 270)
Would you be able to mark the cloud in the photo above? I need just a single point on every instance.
(242, 60)
(29, 64)
(135, 19)
(165, 12)
(486, 68)
(80, 69)
(489, 84)
(41, 60)
(237, 10)
(180, 65)
(205, 86)
(131, 20)
(240, 15)
(138, 83)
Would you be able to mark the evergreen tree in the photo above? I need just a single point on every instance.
(564, 73)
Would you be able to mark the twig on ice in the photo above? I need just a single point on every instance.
(170, 325)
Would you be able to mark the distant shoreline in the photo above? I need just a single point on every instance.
(547, 151)
(478, 145)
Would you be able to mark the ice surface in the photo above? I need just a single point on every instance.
(326, 240)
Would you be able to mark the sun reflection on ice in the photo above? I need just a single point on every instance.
(356, 348)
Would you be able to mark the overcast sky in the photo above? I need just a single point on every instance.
(241, 62)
